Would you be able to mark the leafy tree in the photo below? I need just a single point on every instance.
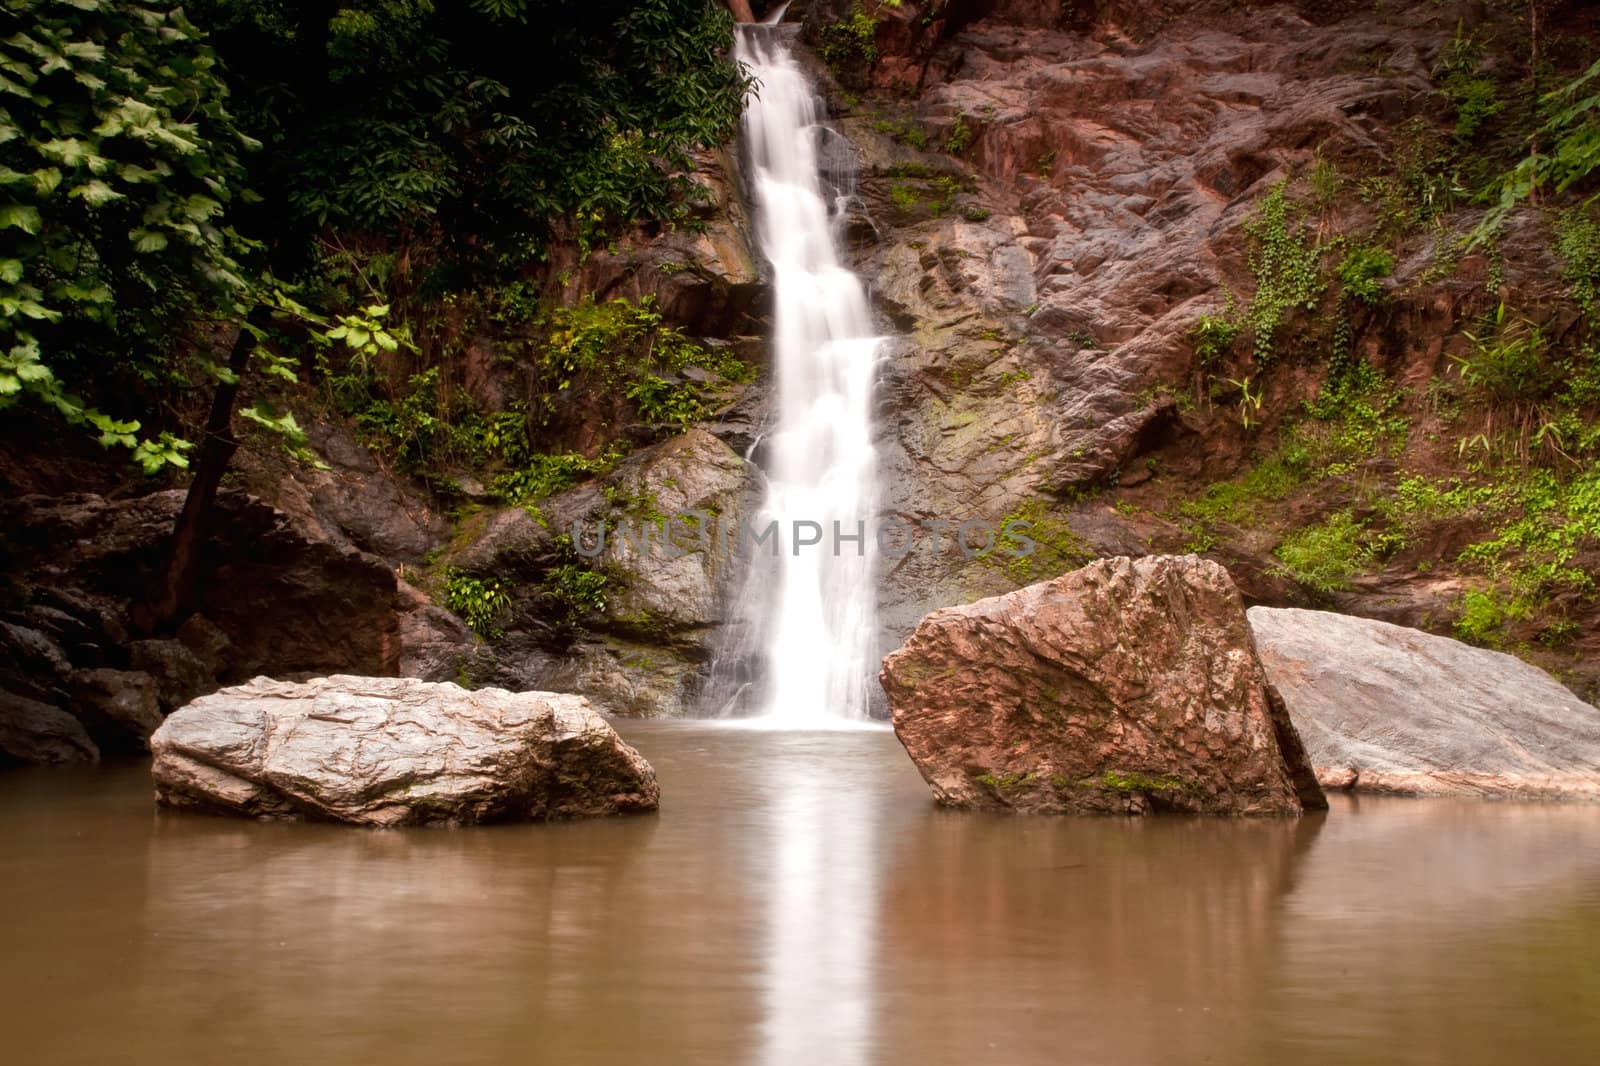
(489, 123)
(1566, 150)
(118, 157)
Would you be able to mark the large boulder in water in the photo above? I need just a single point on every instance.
(396, 751)
(1384, 708)
(1130, 685)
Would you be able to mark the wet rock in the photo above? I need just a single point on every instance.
(356, 502)
(633, 676)
(286, 602)
(119, 708)
(38, 733)
(1383, 708)
(180, 675)
(31, 664)
(1130, 685)
(688, 483)
(396, 751)
(705, 279)
(435, 645)
(205, 641)
(505, 540)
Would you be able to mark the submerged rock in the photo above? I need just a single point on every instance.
(1131, 685)
(1383, 708)
(396, 751)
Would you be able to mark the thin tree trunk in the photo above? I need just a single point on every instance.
(741, 11)
(173, 595)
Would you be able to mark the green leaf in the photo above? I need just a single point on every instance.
(21, 216)
(95, 193)
(66, 151)
(145, 240)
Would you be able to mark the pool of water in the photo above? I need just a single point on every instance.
(797, 900)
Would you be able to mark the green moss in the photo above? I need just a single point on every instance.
(1133, 781)
(1004, 784)
(1056, 548)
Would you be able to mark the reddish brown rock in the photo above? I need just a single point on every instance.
(1131, 685)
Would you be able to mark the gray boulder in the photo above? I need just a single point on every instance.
(37, 733)
(396, 751)
(1383, 708)
(119, 708)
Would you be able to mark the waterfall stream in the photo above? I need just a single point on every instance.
(809, 613)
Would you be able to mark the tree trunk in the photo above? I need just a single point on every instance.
(173, 595)
(741, 11)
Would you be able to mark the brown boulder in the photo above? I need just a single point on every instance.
(1129, 686)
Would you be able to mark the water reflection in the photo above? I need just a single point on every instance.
(822, 906)
(798, 900)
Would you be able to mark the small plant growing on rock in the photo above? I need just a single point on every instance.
(479, 601)
(850, 42)
(1325, 557)
(960, 138)
(1362, 271)
(1213, 336)
(576, 592)
(1284, 260)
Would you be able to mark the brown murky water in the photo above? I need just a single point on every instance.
(798, 900)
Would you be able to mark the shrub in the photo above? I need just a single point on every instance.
(1361, 270)
(479, 601)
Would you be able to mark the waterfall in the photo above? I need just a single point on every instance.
(810, 613)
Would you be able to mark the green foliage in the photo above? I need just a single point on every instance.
(669, 403)
(118, 159)
(1578, 244)
(1507, 360)
(1362, 270)
(960, 138)
(1213, 336)
(625, 344)
(402, 116)
(1134, 781)
(1325, 181)
(1473, 95)
(1569, 151)
(1484, 616)
(916, 187)
(576, 594)
(1284, 259)
(480, 601)
(850, 43)
(546, 475)
(1355, 417)
(1325, 557)
(904, 130)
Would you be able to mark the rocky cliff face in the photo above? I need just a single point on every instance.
(1074, 218)
(1065, 205)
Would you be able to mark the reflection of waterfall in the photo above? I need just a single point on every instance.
(809, 612)
(818, 994)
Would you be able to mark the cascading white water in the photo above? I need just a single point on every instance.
(814, 612)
